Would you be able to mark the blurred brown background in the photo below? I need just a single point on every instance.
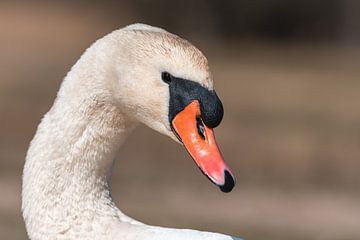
(288, 73)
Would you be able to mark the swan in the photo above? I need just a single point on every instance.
(136, 74)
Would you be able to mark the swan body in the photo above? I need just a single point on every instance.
(113, 86)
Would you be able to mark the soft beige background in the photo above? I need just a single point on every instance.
(291, 131)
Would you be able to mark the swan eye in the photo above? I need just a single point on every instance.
(166, 77)
(200, 127)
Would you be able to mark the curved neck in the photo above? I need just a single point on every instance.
(66, 190)
(68, 165)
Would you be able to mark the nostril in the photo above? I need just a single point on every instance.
(200, 127)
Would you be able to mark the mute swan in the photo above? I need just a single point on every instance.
(135, 74)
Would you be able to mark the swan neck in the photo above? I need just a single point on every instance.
(68, 165)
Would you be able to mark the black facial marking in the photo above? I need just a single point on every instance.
(183, 92)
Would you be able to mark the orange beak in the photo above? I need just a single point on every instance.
(200, 142)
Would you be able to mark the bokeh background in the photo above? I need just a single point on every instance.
(288, 73)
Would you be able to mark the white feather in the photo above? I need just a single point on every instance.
(114, 85)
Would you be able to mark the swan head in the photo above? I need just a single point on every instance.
(168, 87)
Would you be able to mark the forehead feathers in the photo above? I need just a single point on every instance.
(170, 53)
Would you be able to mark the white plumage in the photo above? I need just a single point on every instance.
(113, 86)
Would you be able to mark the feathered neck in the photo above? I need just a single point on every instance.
(66, 190)
(68, 165)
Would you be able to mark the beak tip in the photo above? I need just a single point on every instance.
(229, 182)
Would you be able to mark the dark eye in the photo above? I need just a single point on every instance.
(166, 77)
(200, 127)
